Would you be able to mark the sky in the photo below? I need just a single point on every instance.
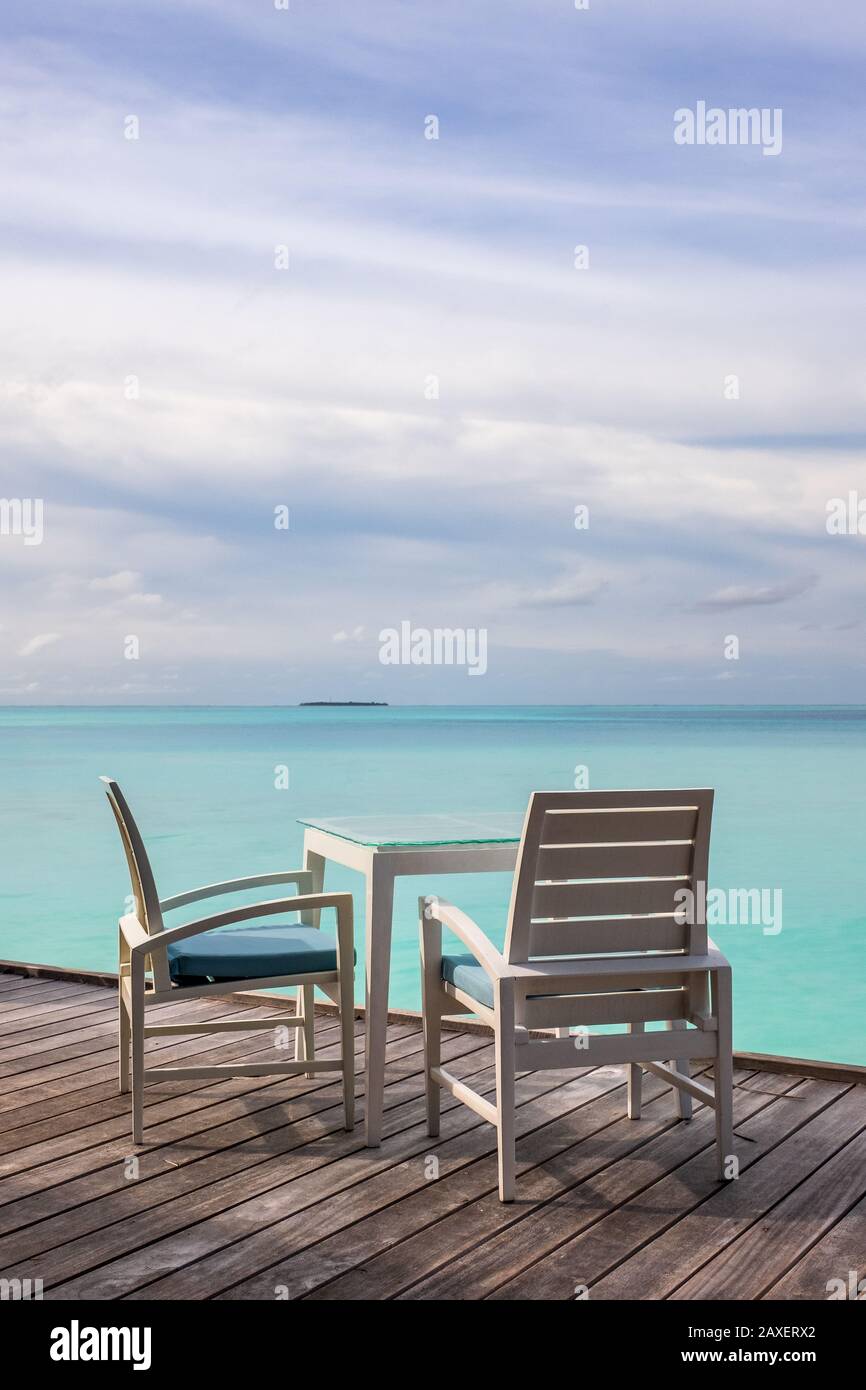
(283, 294)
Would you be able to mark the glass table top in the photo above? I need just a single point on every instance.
(397, 832)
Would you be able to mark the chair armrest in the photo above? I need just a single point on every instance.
(132, 931)
(482, 948)
(341, 901)
(302, 877)
(599, 967)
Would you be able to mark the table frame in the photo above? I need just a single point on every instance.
(381, 865)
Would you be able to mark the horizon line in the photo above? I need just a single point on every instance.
(507, 704)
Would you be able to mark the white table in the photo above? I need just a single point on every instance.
(384, 848)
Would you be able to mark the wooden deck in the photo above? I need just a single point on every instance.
(250, 1189)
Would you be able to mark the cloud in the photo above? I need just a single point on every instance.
(757, 595)
(145, 600)
(565, 593)
(411, 258)
(120, 583)
(35, 644)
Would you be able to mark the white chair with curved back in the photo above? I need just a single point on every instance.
(602, 929)
(160, 965)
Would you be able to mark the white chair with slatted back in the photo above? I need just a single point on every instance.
(162, 965)
(600, 931)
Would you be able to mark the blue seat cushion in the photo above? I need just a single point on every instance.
(464, 972)
(249, 953)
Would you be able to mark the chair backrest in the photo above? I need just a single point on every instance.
(597, 874)
(144, 894)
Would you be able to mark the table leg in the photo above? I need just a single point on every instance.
(305, 1037)
(380, 906)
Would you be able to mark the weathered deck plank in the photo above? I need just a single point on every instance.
(839, 1255)
(752, 1263)
(396, 1246)
(58, 1089)
(628, 1226)
(250, 1189)
(210, 1179)
(595, 1181)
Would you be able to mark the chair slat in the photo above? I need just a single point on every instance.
(596, 825)
(629, 1006)
(607, 935)
(616, 1048)
(606, 898)
(582, 984)
(630, 860)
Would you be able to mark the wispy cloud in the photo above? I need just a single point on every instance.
(36, 644)
(569, 591)
(757, 595)
(122, 582)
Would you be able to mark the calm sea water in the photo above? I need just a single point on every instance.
(789, 815)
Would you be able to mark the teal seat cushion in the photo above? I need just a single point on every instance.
(464, 972)
(249, 953)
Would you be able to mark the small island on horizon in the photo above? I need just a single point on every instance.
(344, 704)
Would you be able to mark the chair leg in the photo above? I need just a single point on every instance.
(505, 1076)
(347, 1045)
(137, 1050)
(432, 1058)
(635, 1079)
(682, 1099)
(123, 1040)
(305, 1035)
(724, 1075)
(431, 1011)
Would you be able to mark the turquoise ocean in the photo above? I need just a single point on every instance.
(789, 816)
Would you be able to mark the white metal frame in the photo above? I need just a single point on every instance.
(145, 979)
(594, 937)
(380, 867)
